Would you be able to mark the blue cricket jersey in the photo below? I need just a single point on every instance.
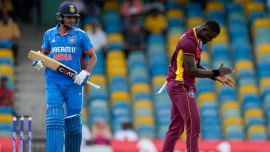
(66, 49)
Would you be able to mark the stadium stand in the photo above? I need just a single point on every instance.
(130, 80)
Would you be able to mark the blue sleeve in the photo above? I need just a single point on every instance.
(86, 45)
(46, 43)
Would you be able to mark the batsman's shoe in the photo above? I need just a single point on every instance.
(82, 78)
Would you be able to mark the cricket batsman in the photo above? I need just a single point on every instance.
(65, 43)
(184, 68)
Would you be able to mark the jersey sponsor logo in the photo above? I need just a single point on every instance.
(63, 49)
(72, 40)
(62, 57)
(53, 41)
(66, 71)
(191, 94)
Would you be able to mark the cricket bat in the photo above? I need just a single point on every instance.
(56, 66)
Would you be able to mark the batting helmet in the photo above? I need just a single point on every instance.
(67, 9)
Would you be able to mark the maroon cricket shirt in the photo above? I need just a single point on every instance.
(188, 44)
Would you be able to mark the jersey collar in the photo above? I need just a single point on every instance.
(199, 42)
(56, 30)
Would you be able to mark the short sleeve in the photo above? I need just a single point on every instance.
(188, 46)
(46, 43)
(86, 45)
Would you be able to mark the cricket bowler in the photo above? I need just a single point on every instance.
(184, 68)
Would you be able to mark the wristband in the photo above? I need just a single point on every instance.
(87, 70)
(216, 73)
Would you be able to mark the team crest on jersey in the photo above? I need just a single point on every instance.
(71, 8)
(72, 40)
(191, 94)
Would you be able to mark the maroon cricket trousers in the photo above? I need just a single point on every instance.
(184, 112)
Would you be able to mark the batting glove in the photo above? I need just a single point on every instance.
(37, 64)
(82, 78)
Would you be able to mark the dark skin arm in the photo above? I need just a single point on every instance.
(194, 71)
(224, 80)
(203, 68)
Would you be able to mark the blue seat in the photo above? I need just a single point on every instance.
(267, 113)
(175, 22)
(241, 46)
(156, 39)
(262, 31)
(245, 74)
(162, 131)
(162, 98)
(155, 47)
(234, 7)
(256, 15)
(5, 127)
(263, 70)
(136, 63)
(98, 70)
(118, 84)
(140, 79)
(251, 101)
(6, 44)
(193, 6)
(220, 52)
(6, 61)
(115, 46)
(236, 21)
(258, 137)
(195, 14)
(254, 121)
(209, 113)
(6, 110)
(211, 120)
(159, 69)
(242, 56)
(142, 113)
(163, 120)
(162, 112)
(119, 87)
(234, 133)
(204, 85)
(266, 99)
(212, 136)
(226, 94)
(94, 94)
(146, 131)
(231, 113)
(89, 20)
(164, 104)
(142, 96)
(218, 16)
(173, 5)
